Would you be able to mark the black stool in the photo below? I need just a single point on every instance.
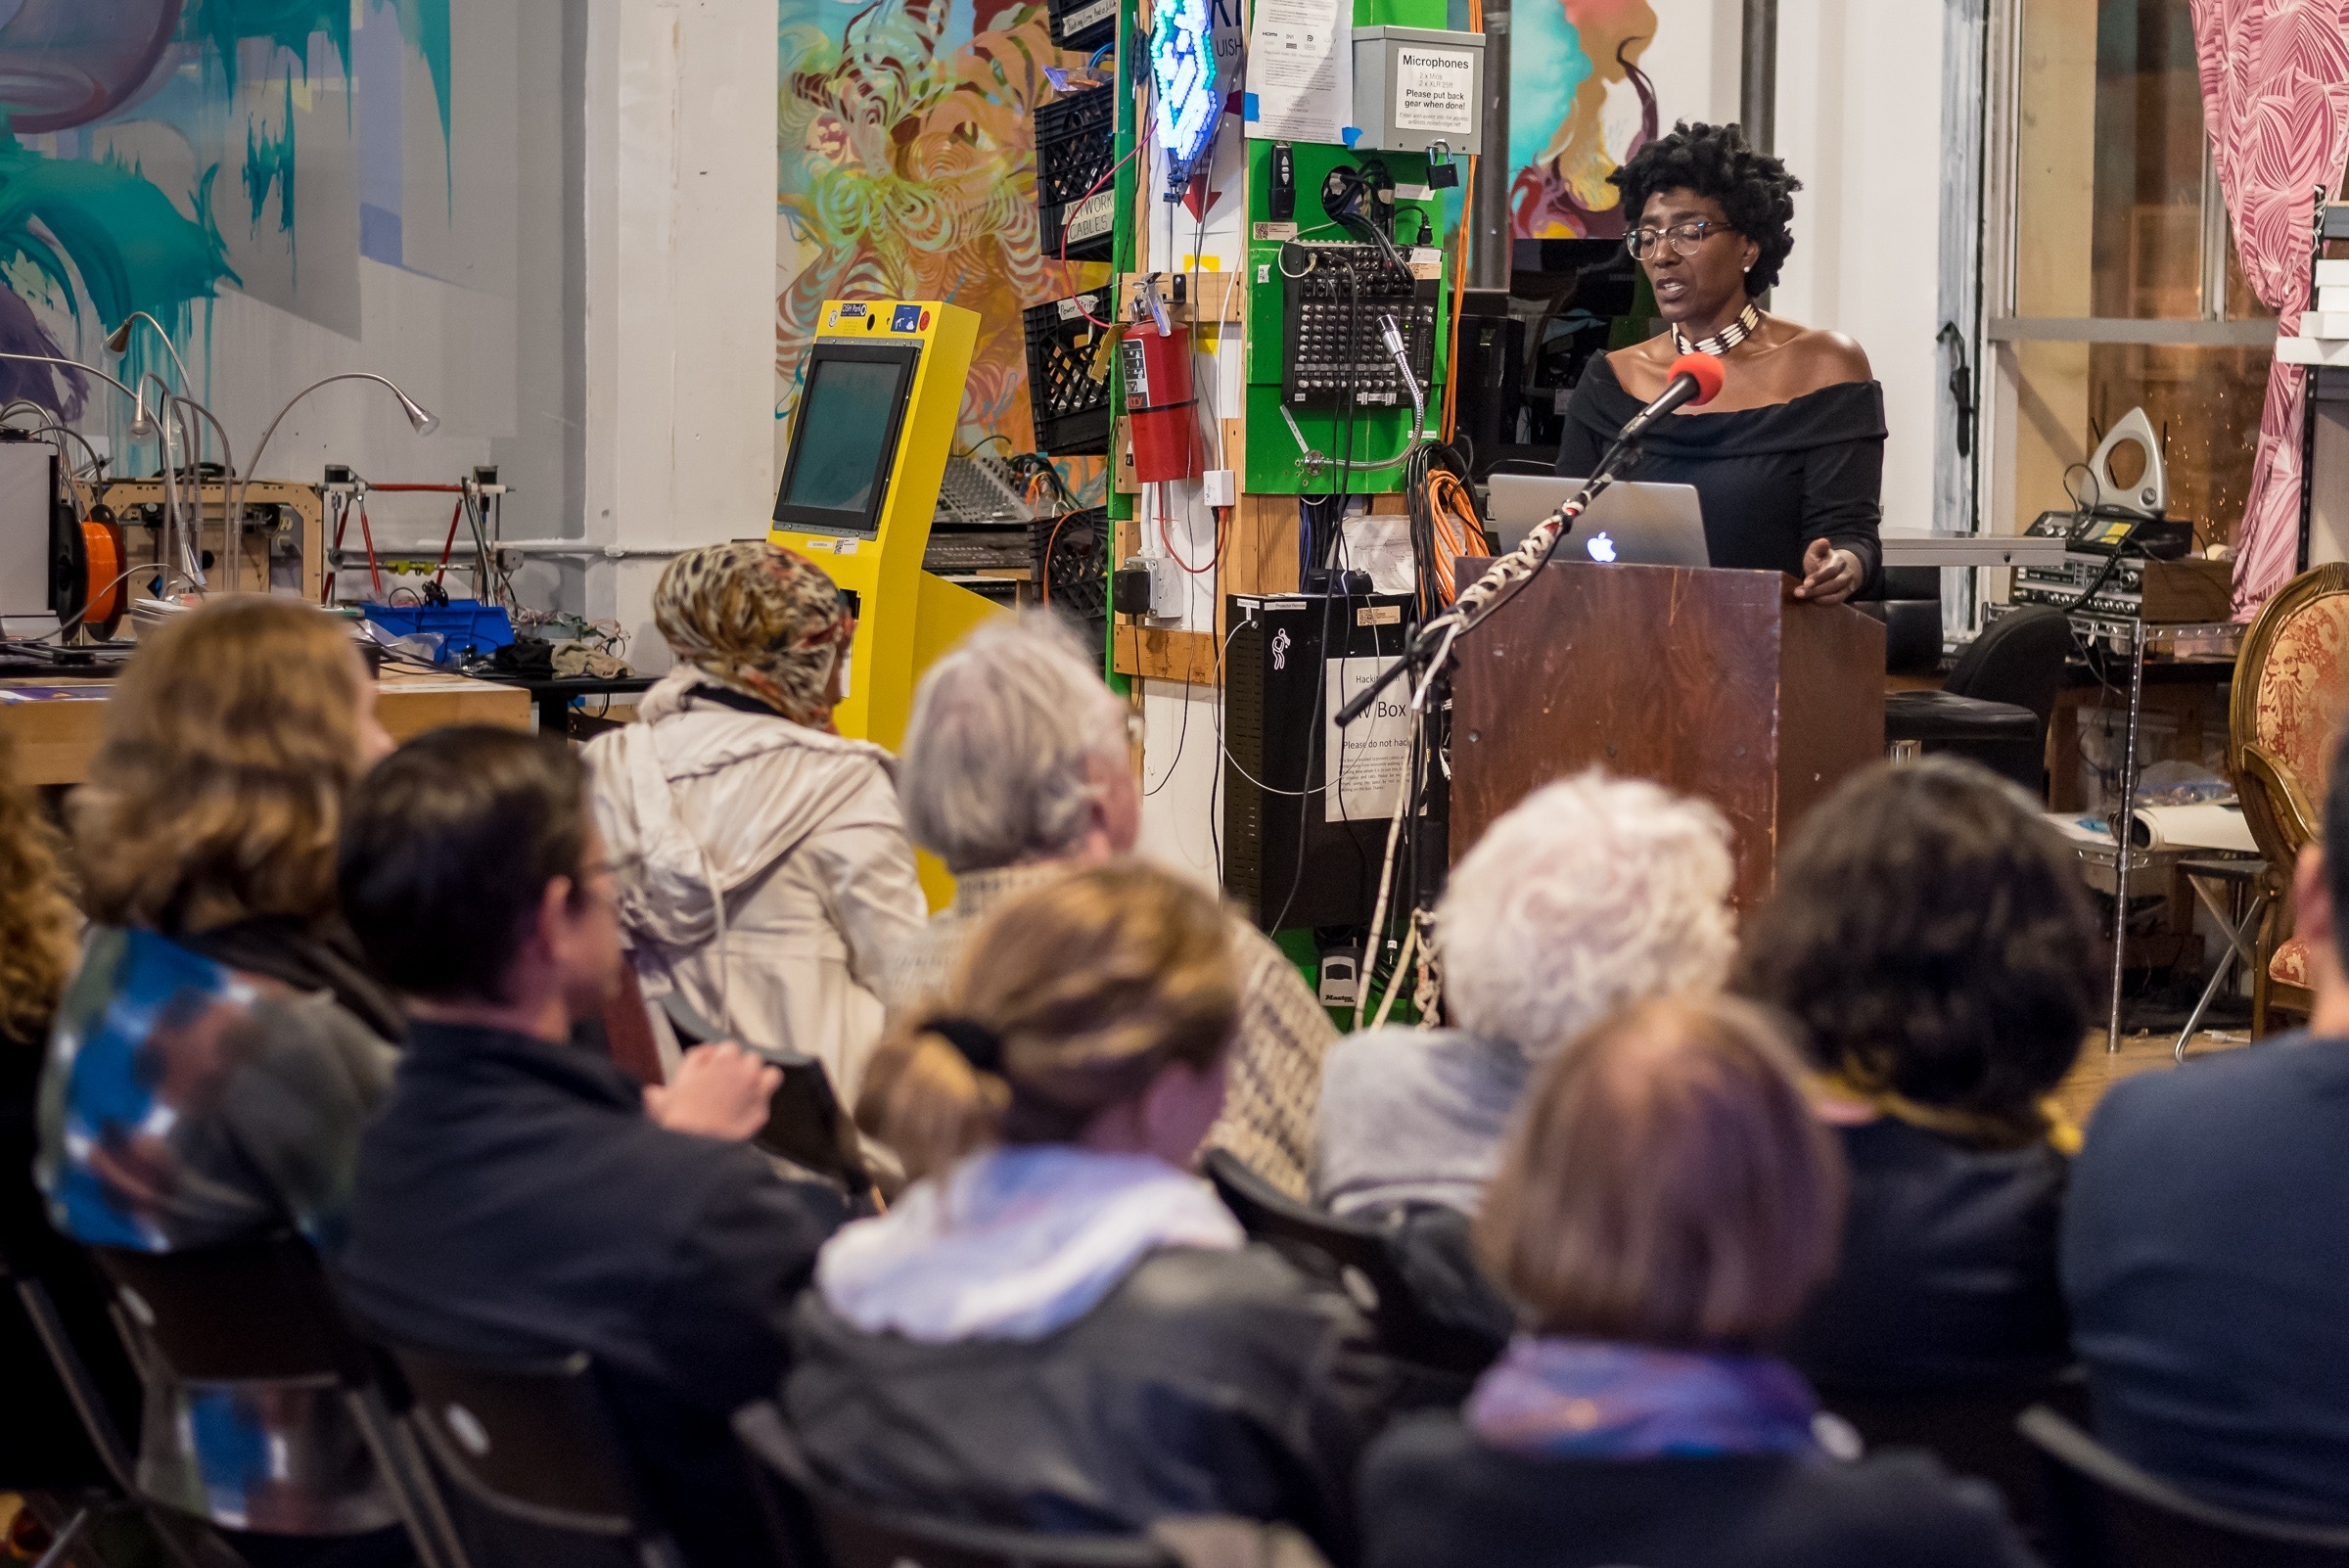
(1996, 704)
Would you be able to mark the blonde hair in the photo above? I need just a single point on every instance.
(1585, 896)
(219, 789)
(37, 917)
(1666, 1184)
(1089, 986)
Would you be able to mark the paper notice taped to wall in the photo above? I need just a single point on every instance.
(1301, 71)
(1363, 764)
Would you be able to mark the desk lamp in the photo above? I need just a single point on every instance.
(177, 405)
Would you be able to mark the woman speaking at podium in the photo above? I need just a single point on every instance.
(1788, 460)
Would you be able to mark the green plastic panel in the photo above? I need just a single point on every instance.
(1376, 435)
(1402, 14)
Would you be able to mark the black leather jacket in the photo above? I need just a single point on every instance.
(1207, 1382)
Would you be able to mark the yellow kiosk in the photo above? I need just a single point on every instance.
(868, 449)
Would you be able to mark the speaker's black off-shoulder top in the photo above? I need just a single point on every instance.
(1770, 478)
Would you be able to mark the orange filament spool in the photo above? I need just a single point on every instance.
(103, 589)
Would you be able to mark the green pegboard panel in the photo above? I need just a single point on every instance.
(1402, 14)
(1377, 435)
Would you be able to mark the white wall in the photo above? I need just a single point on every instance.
(1181, 755)
(1182, 810)
(1697, 59)
(1859, 122)
(680, 192)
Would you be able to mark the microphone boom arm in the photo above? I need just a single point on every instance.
(1483, 596)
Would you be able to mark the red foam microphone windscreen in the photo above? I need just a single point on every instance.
(1706, 368)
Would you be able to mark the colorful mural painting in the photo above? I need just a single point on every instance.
(131, 124)
(906, 168)
(1578, 106)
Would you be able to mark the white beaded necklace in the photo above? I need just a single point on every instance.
(1749, 321)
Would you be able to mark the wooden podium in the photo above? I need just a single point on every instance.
(1719, 684)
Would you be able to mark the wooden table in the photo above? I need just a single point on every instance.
(56, 737)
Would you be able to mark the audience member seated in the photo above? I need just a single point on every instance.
(1665, 1204)
(1018, 767)
(515, 1199)
(2202, 1255)
(1586, 896)
(37, 953)
(765, 872)
(220, 1047)
(1059, 1328)
(1932, 938)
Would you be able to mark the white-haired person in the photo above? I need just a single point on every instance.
(1017, 768)
(1589, 895)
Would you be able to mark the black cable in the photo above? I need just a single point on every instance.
(1215, 562)
(1425, 459)
(2112, 564)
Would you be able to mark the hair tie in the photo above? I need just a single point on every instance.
(980, 1045)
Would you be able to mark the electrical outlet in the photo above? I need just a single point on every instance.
(1165, 588)
(1130, 588)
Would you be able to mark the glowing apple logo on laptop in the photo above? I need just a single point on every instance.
(1601, 547)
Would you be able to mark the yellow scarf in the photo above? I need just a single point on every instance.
(2061, 1133)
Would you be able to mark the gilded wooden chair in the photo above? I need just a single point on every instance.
(2291, 685)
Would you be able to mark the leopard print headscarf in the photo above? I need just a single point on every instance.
(764, 622)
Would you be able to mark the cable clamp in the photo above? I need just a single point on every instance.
(1307, 458)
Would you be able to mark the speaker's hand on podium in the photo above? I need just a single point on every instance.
(1829, 575)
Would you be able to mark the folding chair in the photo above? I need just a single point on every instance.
(262, 1311)
(1356, 1258)
(65, 1451)
(2105, 1512)
(1971, 1428)
(528, 1465)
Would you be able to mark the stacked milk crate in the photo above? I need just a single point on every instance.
(2324, 331)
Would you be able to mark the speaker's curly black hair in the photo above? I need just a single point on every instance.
(1931, 936)
(1753, 188)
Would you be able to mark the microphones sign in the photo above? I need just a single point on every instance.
(1435, 90)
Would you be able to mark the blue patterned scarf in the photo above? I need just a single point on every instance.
(1592, 1398)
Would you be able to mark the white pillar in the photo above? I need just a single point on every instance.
(680, 197)
(1859, 122)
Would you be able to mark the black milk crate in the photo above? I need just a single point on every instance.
(1073, 138)
(1068, 374)
(1084, 24)
(1072, 559)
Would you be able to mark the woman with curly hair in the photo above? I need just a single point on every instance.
(222, 1044)
(38, 927)
(1788, 460)
(1931, 936)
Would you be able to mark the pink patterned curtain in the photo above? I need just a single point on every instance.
(2276, 94)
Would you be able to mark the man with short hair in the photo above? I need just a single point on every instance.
(2204, 1258)
(1018, 765)
(517, 1198)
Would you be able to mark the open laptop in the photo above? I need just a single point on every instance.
(1639, 525)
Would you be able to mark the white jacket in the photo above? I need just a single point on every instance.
(799, 830)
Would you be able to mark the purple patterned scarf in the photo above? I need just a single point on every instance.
(1592, 1398)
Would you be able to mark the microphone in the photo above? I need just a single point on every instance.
(1694, 379)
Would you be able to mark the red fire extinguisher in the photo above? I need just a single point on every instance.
(1159, 403)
